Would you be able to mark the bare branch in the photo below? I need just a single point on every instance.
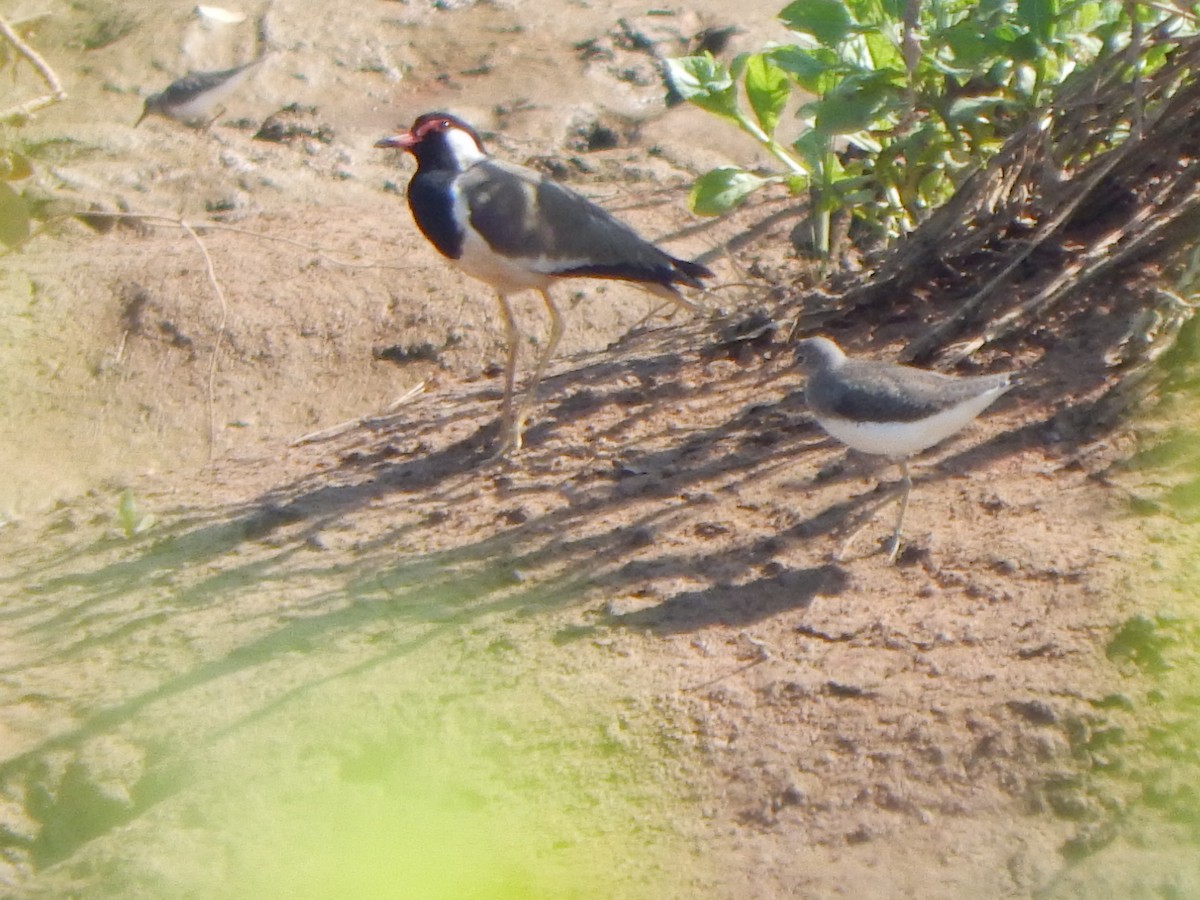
(212, 362)
(24, 110)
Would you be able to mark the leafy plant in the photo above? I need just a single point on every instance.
(130, 518)
(14, 210)
(900, 99)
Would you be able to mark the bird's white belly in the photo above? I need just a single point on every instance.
(900, 439)
(506, 275)
(206, 102)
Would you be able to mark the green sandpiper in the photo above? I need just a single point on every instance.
(193, 98)
(890, 410)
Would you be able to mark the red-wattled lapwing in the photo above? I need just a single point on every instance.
(516, 230)
(194, 97)
(890, 410)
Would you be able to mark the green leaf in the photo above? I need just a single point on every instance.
(969, 48)
(127, 514)
(14, 166)
(798, 184)
(1025, 49)
(868, 11)
(14, 216)
(826, 20)
(815, 148)
(1000, 73)
(1004, 34)
(857, 103)
(767, 89)
(705, 82)
(132, 522)
(814, 70)
(933, 188)
(722, 189)
(1025, 80)
(857, 191)
(884, 53)
(812, 147)
(1040, 17)
(982, 107)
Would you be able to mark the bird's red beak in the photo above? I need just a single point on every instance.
(401, 140)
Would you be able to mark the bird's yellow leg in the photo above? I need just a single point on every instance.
(557, 326)
(510, 429)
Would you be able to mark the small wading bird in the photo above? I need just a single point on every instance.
(516, 230)
(194, 97)
(890, 410)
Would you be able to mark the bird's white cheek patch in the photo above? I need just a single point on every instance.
(463, 148)
(899, 439)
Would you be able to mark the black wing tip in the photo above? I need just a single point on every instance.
(690, 273)
(678, 271)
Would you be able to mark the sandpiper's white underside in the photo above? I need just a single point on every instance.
(902, 439)
(203, 104)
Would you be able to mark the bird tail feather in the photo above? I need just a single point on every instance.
(690, 273)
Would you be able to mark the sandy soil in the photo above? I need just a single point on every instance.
(301, 660)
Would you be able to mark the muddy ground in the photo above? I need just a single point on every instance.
(273, 625)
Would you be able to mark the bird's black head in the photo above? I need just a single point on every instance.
(439, 140)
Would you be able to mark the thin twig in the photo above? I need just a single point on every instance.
(350, 424)
(56, 95)
(212, 363)
(211, 272)
(318, 251)
(1137, 127)
(964, 313)
(163, 220)
(718, 678)
(1076, 278)
(192, 230)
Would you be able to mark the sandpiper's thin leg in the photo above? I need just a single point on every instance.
(510, 429)
(907, 486)
(860, 523)
(208, 124)
(557, 326)
(861, 526)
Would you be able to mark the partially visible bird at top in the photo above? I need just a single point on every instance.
(516, 230)
(195, 99)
